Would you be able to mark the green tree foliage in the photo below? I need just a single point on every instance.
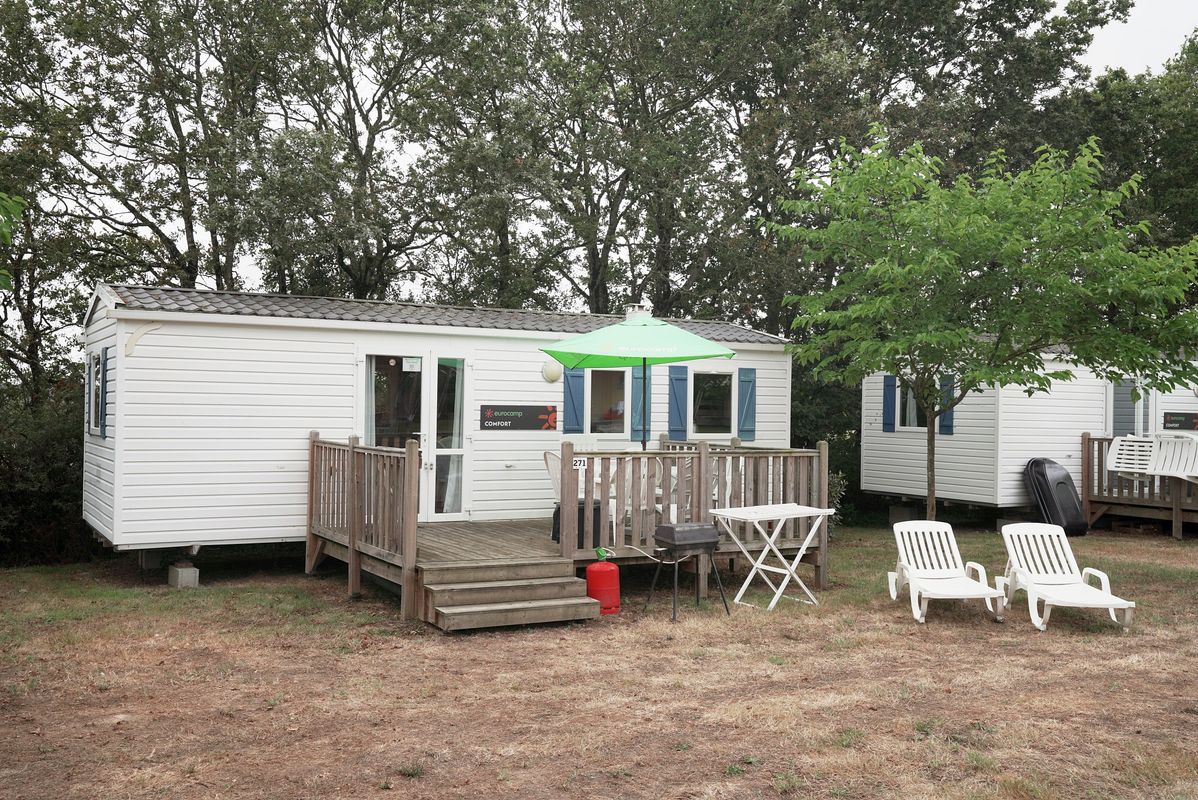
(979, 279)
(1148, 125)
(10, 212)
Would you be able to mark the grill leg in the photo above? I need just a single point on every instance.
(720, 584)
(675, 617)
(652, 586)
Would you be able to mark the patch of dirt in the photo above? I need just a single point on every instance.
(270, 684)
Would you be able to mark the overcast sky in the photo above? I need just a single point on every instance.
(1153, 33)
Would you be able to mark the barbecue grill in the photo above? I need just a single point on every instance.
(678, 542)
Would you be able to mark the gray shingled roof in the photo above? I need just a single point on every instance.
(203, 301)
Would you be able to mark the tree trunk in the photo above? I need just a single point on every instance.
(661, 289)
(931, 498)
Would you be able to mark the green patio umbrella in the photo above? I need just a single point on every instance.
(639, 340)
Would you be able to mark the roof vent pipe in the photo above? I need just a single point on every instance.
(640, 309)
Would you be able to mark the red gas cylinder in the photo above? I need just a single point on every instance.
(603, 584)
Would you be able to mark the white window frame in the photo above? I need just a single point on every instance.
(95, 390)
(899, 390)
(590, 398)
(734, 420)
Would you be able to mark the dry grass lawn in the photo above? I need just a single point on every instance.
(265, 683)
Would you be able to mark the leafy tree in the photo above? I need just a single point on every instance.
(1146, 124)
(154, 107)
(485, 134)
(359, 94)
(966, 76)
(10, 212)
(957, 287)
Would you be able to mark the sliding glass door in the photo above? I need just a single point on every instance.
(447, 454)
(422, 396)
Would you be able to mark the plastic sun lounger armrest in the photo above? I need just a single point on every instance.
(980, 572)
(1104, 581)
(978, 569)
(1016, 578)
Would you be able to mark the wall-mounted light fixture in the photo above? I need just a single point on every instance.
(551, 371)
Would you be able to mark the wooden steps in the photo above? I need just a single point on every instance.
(462, 595)
(527, 612)
(472, 594)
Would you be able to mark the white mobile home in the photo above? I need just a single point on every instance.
(200, 404)
(984, 443)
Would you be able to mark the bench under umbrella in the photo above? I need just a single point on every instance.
(640, 340)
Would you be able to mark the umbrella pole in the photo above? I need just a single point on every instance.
(645, 417)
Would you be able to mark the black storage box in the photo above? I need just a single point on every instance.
(687, 537)
(1051, 487)
(557, 522)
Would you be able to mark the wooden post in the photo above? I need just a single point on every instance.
(701, 498)
(354, 558)
(410, 603)
(1177, 491)
(821, 569)
(663, 439)
(1087, 478)
(311, 546)
(568, 508)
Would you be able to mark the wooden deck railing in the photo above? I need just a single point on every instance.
(1150, 497)
(365, 499)
(639, 490)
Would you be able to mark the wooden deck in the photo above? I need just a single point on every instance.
(484, 541)
(1157, 498)
(363, 509)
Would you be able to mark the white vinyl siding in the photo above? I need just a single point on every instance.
(99, 453)
(216, 430)
(895, 463)
(1048, 425)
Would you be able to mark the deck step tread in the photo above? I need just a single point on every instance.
(524, 612)
(503, 584)
(485, 571)
(435, 566)
(520, 604)
(512, 590)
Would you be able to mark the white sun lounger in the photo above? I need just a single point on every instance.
(929, 563)
(1174, 456)
(1040, 562)
(1130, 456)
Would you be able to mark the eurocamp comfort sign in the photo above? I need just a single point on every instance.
(518, 418)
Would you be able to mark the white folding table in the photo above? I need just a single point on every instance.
(769, 522)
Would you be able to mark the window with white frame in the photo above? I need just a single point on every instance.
(95, 390)
(712, 403)
(910, 415)
(608, 401)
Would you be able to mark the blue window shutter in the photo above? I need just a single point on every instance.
(946, 418)
(104, 392)
(638, 411)
(746, 404)
(889, 390)
(575, 400)
(87, 393)
(678, 398)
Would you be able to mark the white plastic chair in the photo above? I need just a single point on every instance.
(1130, 456)
(1041, 563)
(929, 563)
(1174, 456)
